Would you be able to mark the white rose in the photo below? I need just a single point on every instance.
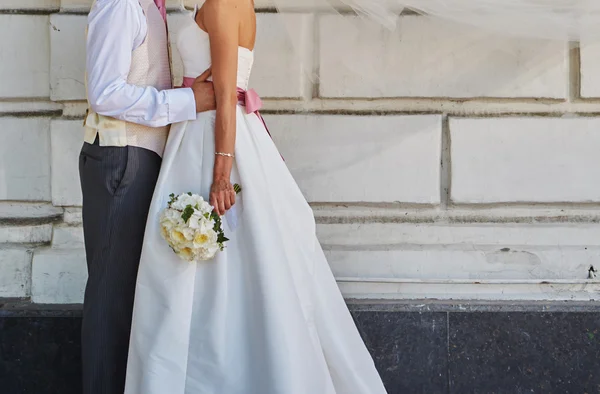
(200, 240)
(164, 232)
(207, 253)
(206, 225)
(166, 224)
(196, 220)
(212, 236)
(204, 207)
(193, 200)
(173, 216)
(198, 200)
(212, 251)
(188, 233)
(182, 201)
(177, 236)
(186, 254)
(205, 238)
(177, 205)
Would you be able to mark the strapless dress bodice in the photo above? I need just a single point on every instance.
(194, 47)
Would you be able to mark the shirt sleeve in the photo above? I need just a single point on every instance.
(115, 29)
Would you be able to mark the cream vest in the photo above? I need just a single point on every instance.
(150, 66)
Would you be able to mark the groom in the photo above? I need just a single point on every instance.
(131, 104)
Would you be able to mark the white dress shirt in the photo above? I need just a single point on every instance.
(115, 29)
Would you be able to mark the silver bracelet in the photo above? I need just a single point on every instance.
(224, 154)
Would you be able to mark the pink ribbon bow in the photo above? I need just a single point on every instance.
(250, 99)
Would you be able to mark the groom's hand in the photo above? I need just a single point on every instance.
(204, 93)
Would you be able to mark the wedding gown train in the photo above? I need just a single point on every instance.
(266, 315)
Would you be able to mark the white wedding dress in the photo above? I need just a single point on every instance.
(265, 316)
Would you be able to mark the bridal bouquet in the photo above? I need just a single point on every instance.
(191, 227)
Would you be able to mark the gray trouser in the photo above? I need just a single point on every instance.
(117, 185)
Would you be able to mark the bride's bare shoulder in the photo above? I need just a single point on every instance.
(229, 4)
(227, 10)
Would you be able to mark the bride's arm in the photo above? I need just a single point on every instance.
(222, 23)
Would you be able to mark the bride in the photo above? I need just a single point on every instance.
(265, 316)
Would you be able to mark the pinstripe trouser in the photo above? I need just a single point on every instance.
(117, 185)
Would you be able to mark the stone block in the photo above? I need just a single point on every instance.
(67, 75)
(15, 272)
(25, 153)
(13, 212)
(590, 62)
(468, 261)
(86, 4)
(496, 235)
(67, 139)
(73, 216)
(415, 341)
(431, 58)
(282, 54)
(58, 276)
(362, 158)
(523, 352)
(25, 54)
(67, 237)
(41, 355)
(525, 160)
(26, 234)
(29, 4)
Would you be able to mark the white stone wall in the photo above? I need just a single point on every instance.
(458, 164)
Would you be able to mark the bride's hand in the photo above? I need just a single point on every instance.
(222, 196)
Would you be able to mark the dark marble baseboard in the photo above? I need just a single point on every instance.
(524, 353)
(415, 352)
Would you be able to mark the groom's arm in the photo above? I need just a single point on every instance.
(115, 29)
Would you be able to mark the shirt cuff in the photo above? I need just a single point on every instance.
(181, 105)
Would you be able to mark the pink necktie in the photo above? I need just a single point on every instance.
(161, 7)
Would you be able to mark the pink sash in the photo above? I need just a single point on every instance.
(160, 4)
(246, 98)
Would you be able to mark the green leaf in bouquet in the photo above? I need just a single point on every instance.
(173, 198)
(187, 213)
(237, 188)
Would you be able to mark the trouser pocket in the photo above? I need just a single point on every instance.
(104, 166)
